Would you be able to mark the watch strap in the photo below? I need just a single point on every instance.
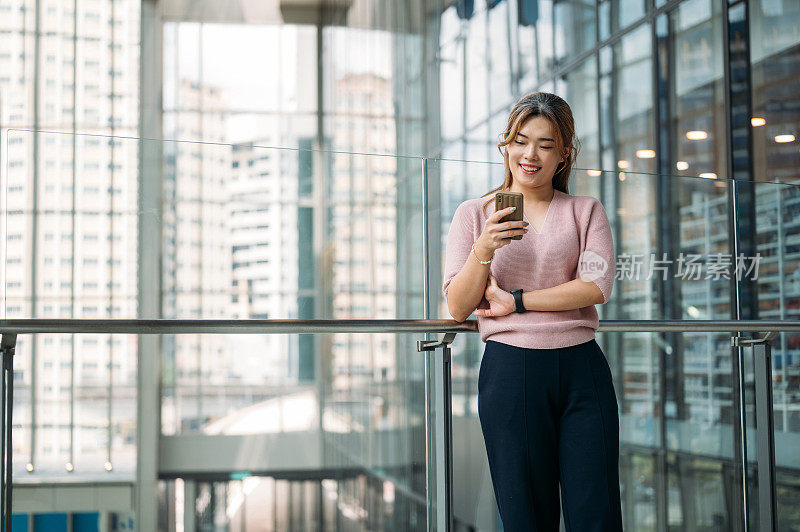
(518, 299)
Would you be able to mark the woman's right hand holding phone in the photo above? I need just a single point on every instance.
(496, 234)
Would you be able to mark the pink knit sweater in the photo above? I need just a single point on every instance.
(575, 241)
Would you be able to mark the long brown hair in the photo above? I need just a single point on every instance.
(558, 112)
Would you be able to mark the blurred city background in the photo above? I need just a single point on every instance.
(302, 159)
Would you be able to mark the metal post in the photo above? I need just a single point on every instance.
(9, 342)
(765, 433)
(150, 232)
(765, 429)
(740, 433)
(443, 437)
(189, 505)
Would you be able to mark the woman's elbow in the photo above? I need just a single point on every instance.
(456, 313)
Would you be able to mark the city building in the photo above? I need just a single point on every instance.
(301, 160)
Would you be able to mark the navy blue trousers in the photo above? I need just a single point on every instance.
(549, 417)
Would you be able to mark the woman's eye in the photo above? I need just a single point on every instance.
(519, 142)
(547, 147)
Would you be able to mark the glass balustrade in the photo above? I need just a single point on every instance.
(339, 430)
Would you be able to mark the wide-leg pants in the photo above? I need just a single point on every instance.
(549, 417)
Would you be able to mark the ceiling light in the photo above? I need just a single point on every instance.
(623, 164)
(709, 175)
(682, 165)
(784, 138)
(594, 173)
(108, 466)
(756, 122)
(696, 135)
(69, 467)
(645, 154)
(29, 467)
(622, 176)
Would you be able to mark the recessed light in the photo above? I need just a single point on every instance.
(682, 165)
(29, 467)
(709, 175)
(645, 154)
(70, 467)
(757, 122)
(108, 466)
(622, 176)
(623, 164)
(784, 138)
(696, 135)
(594, 173)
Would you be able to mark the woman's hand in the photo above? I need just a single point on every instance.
(500, 301)
(496, 235)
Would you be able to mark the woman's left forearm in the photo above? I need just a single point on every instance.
(567, 296)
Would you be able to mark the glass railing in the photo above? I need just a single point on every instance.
(346, 423)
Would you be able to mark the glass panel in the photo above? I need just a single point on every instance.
(532, 41)
(579, 88)
(12, 16)
(379, 62)
(697, 90)
(633, 101)
(574, 28)
(244, 247)
(626, 12)
(477, 76)
(58, 79)
(691, 419)
(777, 277)
(616, 15)
(500, 86)
(524, 46)
(451, 87)
(775, 56)
(356, 500)
(70, 251)
(375, 407)
(775, 53)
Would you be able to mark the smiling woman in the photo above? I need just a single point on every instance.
(533, 153)
(540, 347)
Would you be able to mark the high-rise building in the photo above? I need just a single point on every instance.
(68, 109)
(310, 158)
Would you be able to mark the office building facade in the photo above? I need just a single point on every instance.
(310, 160)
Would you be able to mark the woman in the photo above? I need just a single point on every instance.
(546, 400)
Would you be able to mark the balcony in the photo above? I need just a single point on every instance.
(138, 399)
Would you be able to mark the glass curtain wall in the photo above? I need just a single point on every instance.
(648, 85)
(237, 216)
(68, 112)
(775, 76)
(327, 226)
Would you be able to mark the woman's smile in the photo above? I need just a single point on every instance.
(529, 169)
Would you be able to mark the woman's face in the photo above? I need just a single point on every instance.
(533, 156)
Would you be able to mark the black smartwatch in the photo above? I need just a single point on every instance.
(518, 299)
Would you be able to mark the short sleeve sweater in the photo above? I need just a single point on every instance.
(575, 242)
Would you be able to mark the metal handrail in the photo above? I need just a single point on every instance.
(10, 328)
(212, 326)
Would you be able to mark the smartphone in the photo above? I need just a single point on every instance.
(503, 200)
